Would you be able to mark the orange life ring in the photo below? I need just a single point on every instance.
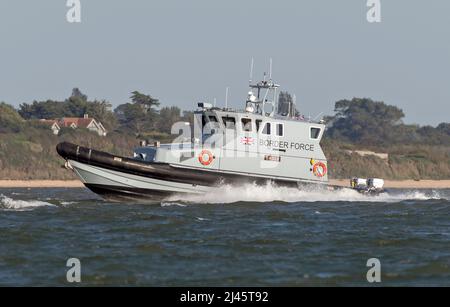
(320, 169)
(203, 160)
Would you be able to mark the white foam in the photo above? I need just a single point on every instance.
(169, 204)
(67, 203)
(21, 205)
(270, 193)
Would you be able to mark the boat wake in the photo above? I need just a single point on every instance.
(7, 203)
(271, 193)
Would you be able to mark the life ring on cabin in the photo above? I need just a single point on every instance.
(320, 169)
(205, 157)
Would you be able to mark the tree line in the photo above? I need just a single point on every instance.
(138, 116)
(356, 121)
(367, 122)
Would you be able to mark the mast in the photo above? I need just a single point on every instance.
(251, 73)
(266, 94)
(226, 97)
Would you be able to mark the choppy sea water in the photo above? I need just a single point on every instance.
(246, 236)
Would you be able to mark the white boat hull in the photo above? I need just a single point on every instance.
(114, 184)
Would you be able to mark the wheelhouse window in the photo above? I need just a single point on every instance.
(258, 124)
(229, 122)
(204, 121)
(280, 130)
(213, 119)
(266, 129)
(210, 125)
(315, 132)
(246, 124)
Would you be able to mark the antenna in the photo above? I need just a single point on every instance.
(251, 72)
(270, 69)
(294, 105)
(215, 100)
(226, 97)
(315, 118)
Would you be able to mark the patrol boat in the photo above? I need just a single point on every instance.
(224, 146)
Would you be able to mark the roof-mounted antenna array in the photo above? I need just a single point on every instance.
(262, 94)
(270, 69)
(294, 106)
(251, 72)
(226, 97)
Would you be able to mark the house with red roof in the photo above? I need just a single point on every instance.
(83, 122)
(53, 124)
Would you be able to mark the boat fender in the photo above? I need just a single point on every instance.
(319, 169)
(205, 157)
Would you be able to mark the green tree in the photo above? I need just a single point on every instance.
(48, 109)
(131, 118)
(10, 119)
(286, 104)
(78, 94)
(140, 115)
(363, 120)
(146, 102)
(77, 105)
(444, 128)
(167, 117)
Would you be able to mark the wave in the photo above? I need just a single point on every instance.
(21, 205)
(170, 204)
(67, 203)
(270, 193)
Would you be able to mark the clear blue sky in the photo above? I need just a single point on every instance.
(189, 50)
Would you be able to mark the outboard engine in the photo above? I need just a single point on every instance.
(358, 183)
(367, 186)
(375, 184)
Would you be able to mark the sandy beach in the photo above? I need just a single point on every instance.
(41, 184)
(400, 184)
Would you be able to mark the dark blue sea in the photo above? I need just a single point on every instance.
(246, 236)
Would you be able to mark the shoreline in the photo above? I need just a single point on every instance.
(41, 184)
(396, 184)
